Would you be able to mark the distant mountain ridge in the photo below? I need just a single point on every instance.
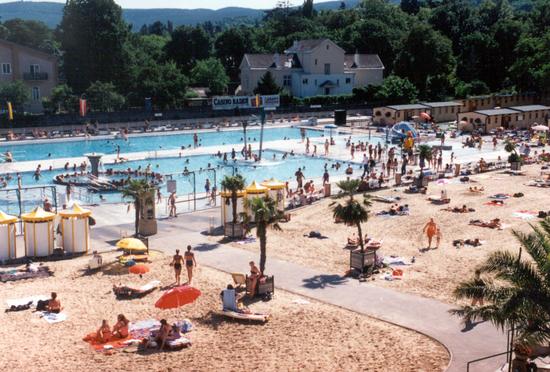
(51, 13)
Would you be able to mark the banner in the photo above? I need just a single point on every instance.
(244, 102)
(82, 107)
(10, 111)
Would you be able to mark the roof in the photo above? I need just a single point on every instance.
(38, 215)
(273, 184)
(6, 218)
(442, 104)
(29, 49)
(530, 108)
(412, 106)
(254, 188)
(76, 211)
(259, 60)
(304, 45)
(492, 112)
(265, 61)
(363, 61)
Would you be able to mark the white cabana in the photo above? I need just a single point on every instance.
(227, 206)
(38, 233)
(276, 192)
(75, 229)
(8, 246)
(254, 191)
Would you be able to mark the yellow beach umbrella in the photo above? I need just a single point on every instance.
(131, 244)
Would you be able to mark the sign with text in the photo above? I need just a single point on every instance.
(244, 102)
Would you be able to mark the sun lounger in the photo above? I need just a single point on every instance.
(239, 279)
(244, 316)
(135, 292)
(39, 272)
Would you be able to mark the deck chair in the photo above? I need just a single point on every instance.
(239, 279)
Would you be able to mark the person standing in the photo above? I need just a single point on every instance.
(177, 262)
(326, 177)
(307, 145)
(190, 263)
(327, 145)
(299, 177)
(207, 187)
(431, 230)
(172, 204)
(478, 300)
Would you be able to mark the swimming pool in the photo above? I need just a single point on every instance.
(273, 166)
(41, 150)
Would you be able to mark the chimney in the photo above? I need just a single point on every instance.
(277, 59)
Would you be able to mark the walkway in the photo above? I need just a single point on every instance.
(421, 314)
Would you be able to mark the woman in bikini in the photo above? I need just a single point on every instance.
(104, 334)
(120, 329)
(177, 262)
(190, 263)
(255, 275)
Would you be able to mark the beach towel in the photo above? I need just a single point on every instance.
(114, 343)
(179, 343)
(244, 316)
(525, 215)
(495, 203)
(53, 317)
(141, 329)
(395, 261)
(33, 272)
(500, 196)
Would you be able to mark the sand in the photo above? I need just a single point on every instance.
(437, 272)
(309, 337)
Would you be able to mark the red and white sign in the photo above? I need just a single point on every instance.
(82, 107)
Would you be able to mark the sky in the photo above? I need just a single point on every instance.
(192, 4)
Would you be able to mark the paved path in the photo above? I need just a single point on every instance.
(424, 315)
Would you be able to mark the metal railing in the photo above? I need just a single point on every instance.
(35, 76)
(484, 358)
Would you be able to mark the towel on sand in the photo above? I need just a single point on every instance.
(26, 300)
(53, 317)
(395, 261)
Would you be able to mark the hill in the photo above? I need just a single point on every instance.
(51, 13)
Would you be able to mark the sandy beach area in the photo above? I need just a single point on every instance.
(435, 273)
(302, 334)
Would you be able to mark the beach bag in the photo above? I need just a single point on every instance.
(41, 305)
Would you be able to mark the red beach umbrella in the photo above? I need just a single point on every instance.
(177, 297)
(425, 116)
(139, 269)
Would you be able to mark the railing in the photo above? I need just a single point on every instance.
(35, 76)
(484, 358)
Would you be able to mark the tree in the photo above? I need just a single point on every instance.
(426, 55)
(410, 6)
(137, 191)
(307, 9)
(210, 73)
(233, 184)
(28, 32)
(265, 215)
(15, 92)
(62, 99)
(396, 90)
(267, 85)
(519, 295)
(93, 35)
(104, 97)
(531, 70)
(188, 45)
(230, 46)
(352, 212)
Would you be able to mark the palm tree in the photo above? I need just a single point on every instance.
(352, 212)
(265, 215)
(424, 153)
(137, 190)
(233, 184)
(520, 293)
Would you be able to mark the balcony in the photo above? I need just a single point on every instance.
(34, 76)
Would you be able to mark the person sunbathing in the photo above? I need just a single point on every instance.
(120, 329)
(477, 189)
(493, 224)
(103, 334)
(162, 334)
(54, 305)
(463, 209)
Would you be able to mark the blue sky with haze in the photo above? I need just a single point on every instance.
(191, 4)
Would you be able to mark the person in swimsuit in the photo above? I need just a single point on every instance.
(430, 229)
(255, 274)
(177, 262)
(54, 306)
(190, 263)
(120, 329)
(104, 334)
(162, 334)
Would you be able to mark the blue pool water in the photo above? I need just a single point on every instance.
(66, 149)
(270, 167)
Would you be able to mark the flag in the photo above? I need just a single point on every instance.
(257, 100)
(10, 111)
(82, 107)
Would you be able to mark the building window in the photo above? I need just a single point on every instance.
(315, 82)
(327, 68)
(348, 80)
(6, 68)
(35, 93)
(337, 82)
(328, 46)
(34, 69)
(315, 61)
(287, 80)
(305, 81)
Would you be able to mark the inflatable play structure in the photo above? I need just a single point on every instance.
(403, 130)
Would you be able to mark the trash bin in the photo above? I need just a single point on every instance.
(457, 170)
(327, 190)
(397, 179)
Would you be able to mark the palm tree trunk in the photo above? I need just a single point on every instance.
(234, 206)
(137, 217)
(263, 245)
(360, 232)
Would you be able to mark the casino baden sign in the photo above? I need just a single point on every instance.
(245, 102)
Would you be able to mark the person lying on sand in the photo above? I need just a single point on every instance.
(353, 240)
(476, 189)
(460, 243)
(463, 209)
(493, 224)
